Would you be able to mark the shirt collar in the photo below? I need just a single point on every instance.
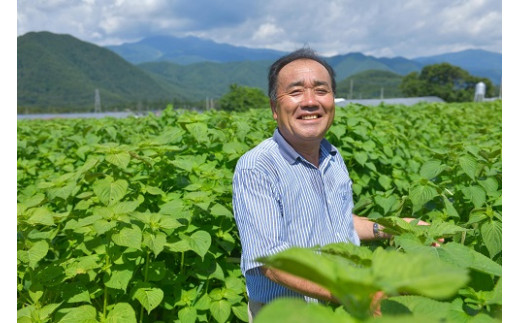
(292, 155)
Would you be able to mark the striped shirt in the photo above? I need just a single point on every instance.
(281, 200)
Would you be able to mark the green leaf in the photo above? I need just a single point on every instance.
(431, 169)
(220, 310)
(42, 216)
(387, 203)
(490, 185)
(385, 181)
(198, 130)
(37, 252)
(188, 315)
(155, 242)
(465, 257)
(475, 194)
(220, 210)
(241, 312)
(149, 297)
(121, 313)
(492, 235)
(200, 242)
(292, 310)
(419, 195)
(361, 157)
(120, 276)
(421, 274)
(119, 159)
(450, 209)
(128, 237)
(80, 314)
(469, 165)
(418, 305)
(110, 192)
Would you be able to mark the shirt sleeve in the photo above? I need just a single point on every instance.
(259, 217)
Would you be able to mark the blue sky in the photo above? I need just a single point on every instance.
(408, 28)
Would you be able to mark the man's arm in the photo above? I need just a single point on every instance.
(298, 284)
(365, 229)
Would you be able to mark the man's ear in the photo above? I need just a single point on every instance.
(273, 109)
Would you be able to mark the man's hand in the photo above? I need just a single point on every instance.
(421, 222)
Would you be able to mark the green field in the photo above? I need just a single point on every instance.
(130, 220)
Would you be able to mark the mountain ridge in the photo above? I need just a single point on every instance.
(57, 70)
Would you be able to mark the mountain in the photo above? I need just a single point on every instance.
(477, 62)
(188, 50)
(60, 71)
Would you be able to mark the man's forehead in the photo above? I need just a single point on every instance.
(304, 68)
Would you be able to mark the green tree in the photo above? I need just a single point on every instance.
(451, 83)
(243, 98)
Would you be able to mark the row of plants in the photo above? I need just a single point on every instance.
(131, 219)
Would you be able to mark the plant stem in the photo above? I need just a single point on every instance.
(146, 265)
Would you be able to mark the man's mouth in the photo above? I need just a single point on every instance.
(309, 117)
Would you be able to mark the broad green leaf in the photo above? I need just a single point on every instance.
(450, 209)
(475, 194)
(37, 252)
(419, 195)
(361, 157)
(420, 274)
(492, 235)
(128, 237)
(385, 181)
(292, 310)
(199, 131)
(47, 310)
(417, 305)
(149, 297)
(387, 203)
(155, 242)
(465, 257)
(119, 159)
(121, 313)
(489, 184)
(469, 165)
(80, 314)
(200, 242)
(32, 201)
(42, 216)
(220, 210)
(76, 293)
(188, 315)
(241, 312)
(431, 169)
(220, 310)
(110, 192)
(120, 276)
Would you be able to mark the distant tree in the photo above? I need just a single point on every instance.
(242, 98)
(450, 83)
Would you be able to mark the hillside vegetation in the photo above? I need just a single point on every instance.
(60, 71)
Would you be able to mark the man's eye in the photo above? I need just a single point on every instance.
(296, 92)
(322, 91)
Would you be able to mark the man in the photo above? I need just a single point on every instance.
(294, 189)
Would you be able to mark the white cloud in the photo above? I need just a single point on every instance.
(407, 28)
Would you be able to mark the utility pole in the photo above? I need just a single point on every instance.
(382, 93)
(97, 102)
(351, 89)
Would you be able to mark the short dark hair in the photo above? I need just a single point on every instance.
(302, 53)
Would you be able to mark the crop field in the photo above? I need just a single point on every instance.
(130, 220)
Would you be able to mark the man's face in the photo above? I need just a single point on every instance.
(304, 108)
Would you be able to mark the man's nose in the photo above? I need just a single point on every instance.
(309, 98)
